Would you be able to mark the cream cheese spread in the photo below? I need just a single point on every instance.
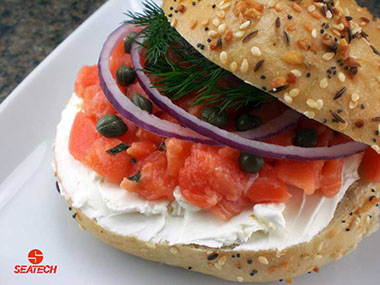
(265, 226)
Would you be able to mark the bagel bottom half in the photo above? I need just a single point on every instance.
(356, 217)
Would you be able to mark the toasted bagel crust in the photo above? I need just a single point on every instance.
(359, 209)
(287, 40)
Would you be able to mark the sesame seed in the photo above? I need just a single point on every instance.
(272, 3)
(212, 34)
(233, 66)
(221, 14)
(324, 82)
(189, 268)
(222, 260)
(249, 261)
(216, 22)
(174, 22)
(239, 34)
(278, 7)
(240, 279)
(329, 15)
(311, 8)
(290, 17)
(314, 33)
(341, 77)
(255, 51)
(244, 66)
(287, 98)
(173, 250)
(308, 74)
(309, 114)
(262, 77)
(312, 104)
(328, 56)
(244, 25)
(224, 57)
(263, 260)
(225, 6)
(74, 215)
(193, 24)
(294, 92)
(376, 148)
(205, 22)
(296, 73)
(222, 28)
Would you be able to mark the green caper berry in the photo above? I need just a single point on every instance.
(215, 116)
(142, 102)
(125, 75)
(128, 41)
(248, 122)
(111, 126)
(306, 138)
(251, 163)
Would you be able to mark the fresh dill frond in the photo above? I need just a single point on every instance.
(178, 69)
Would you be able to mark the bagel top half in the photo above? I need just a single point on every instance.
(320, 59)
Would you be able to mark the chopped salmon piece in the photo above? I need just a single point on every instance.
(268, 188)
(141, 149)
(154, 183)
(82, 136)
(112, 167)
(370, 167)
(206, 171)
(87, 76)
(176, 153)
(305, 175)
(225, 209)
(331, 179)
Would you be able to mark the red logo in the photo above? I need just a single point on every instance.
(35, 257)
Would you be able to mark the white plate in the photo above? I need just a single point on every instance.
(33, 215)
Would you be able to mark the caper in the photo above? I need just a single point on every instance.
(251, 163)
(142, 102)
(306, 138)
(248, 122)
(128, 41)
(111, 126)
(125, 75)
(215, 116)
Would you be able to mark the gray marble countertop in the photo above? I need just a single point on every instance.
(31, 29)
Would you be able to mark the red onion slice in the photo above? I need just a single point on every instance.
(125, 106)
(231, 139)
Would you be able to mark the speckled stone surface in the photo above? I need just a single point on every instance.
(31, 29)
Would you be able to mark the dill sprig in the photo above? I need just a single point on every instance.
(178, 69)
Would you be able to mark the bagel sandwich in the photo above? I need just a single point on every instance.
(236, 138)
